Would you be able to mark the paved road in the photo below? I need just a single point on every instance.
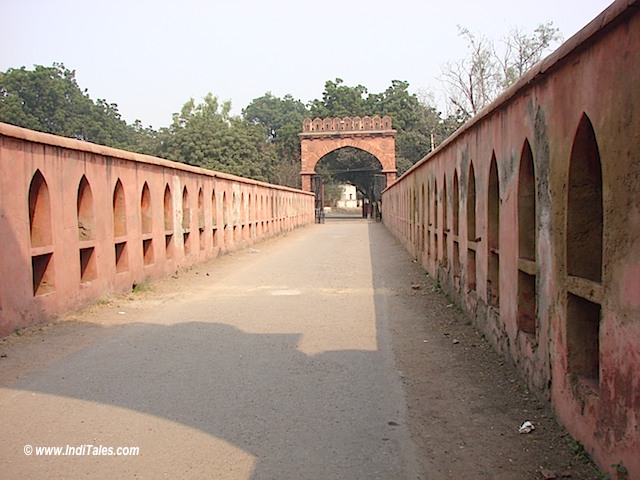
(273, 363)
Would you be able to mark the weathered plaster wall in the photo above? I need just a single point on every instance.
(78, 220)
(529, 217)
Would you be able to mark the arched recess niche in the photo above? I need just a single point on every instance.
(527, 267)
(471, 230)
(168, 223)
(120, 228)
(42, 251)
(493, 236)
(584, 250)
(86, 231)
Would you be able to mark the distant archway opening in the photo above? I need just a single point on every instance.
(374, 135)
(352, 179)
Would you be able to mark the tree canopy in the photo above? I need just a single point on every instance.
(49, 99)
(282, 120)
(263, 141)
(206, 135)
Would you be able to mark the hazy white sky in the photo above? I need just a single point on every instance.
(150, 57)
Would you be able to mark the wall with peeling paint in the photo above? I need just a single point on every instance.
(529, 216)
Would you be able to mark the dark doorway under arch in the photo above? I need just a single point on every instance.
(352, 166)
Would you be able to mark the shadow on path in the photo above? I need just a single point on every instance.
(291, 415)
(291, 412)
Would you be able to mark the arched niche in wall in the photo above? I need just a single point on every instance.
(214, 219)
(436, 245)
(262, 215)
(527, 267)
(201, 221)
(86, 218)
(414, 214)
(456, 229)
(186, 221)
(186, 211)
(120, 228)
(42, 250)
(429, 217)
(584, 247)
(236, 218)
(471, 229)
(584, 215)
(146, 224)
(493, 235)
(119, 211)
(225, 209)
(39, 211)
(243, 208)
(423, 219)
(168, 222)
(146, 217)
(445, 224)
(86, 231)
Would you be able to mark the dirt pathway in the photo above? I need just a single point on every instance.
(465, 402)
(272, 363)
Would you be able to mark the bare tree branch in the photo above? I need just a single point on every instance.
(475, 81)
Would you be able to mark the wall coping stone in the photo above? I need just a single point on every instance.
(88, 147)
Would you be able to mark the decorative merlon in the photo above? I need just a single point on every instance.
(347, 124)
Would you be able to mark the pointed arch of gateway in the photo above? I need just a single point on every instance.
(371, 134)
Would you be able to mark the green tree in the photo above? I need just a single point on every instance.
(49, 99)
(399, 104)
(275, 113)
(206, 135)
(147, 140)
(339, 100)
(282, 120)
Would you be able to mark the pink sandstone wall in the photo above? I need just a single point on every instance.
(79, 220)
(529, 216)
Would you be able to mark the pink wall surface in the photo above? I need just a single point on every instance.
(529, 216)
(79, 220)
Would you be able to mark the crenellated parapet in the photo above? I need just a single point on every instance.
(347, 124)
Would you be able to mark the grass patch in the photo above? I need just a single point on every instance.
(141, 287)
